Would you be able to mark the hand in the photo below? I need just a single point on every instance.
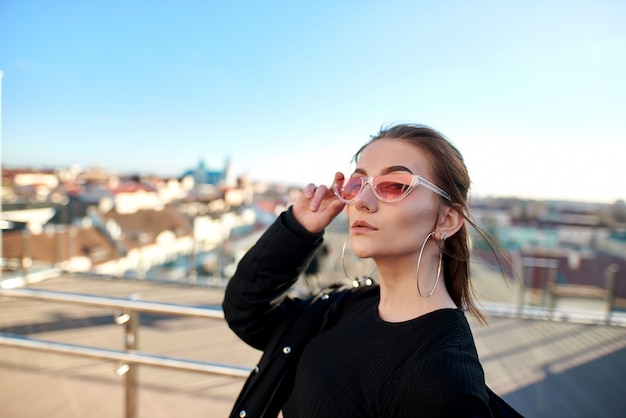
(317, 206)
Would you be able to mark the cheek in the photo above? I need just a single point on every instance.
(417, 220)
(413, 225)
(417, 214)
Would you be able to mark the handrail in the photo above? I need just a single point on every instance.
(128, 315)
(20, 341)
(113, 302)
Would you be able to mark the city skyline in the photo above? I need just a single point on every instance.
(532, 94)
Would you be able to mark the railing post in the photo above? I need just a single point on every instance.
(192, 272)
(58, 258)
(130, 320)
(27, 261)
(520, 269)
(72, 234)
(549, 297)
(610, 276)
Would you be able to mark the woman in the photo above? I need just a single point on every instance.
(402, 348)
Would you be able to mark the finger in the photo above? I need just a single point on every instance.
(309, 190)
(336, 207)
(318, 197)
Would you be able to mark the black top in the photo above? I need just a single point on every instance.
(365, 367)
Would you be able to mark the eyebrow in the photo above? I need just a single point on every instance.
(387, 170)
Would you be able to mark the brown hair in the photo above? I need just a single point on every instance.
(449, 173)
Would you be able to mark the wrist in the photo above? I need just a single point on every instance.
(294, 226)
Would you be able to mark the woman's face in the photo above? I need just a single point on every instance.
(391, 229)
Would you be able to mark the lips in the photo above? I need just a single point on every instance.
(362, 226)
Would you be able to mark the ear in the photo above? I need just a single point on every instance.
(450, 220)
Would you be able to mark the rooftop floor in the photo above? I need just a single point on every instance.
(543, 368)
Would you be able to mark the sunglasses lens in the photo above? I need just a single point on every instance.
(392, 187)
(350, 188)
(388, 187)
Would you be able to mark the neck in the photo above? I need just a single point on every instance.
(399, 298)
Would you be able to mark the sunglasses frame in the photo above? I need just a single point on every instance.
(416, 181)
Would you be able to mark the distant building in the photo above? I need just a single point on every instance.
(97, 221)
(202, 175)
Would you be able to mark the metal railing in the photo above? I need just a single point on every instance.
(127, 313)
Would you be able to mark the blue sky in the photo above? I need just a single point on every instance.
(533, 93)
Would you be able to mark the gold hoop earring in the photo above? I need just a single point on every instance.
(356, 281)
(419, 262)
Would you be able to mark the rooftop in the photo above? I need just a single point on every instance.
(543, 368)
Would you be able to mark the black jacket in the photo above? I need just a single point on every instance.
(259, 312)
(257, 292)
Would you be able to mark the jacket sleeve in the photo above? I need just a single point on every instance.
(255, 302)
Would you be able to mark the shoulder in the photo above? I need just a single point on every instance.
(451, 351)
(448, 378)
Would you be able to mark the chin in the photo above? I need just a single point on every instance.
(361, 249)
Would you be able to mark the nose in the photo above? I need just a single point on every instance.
(365, 200)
